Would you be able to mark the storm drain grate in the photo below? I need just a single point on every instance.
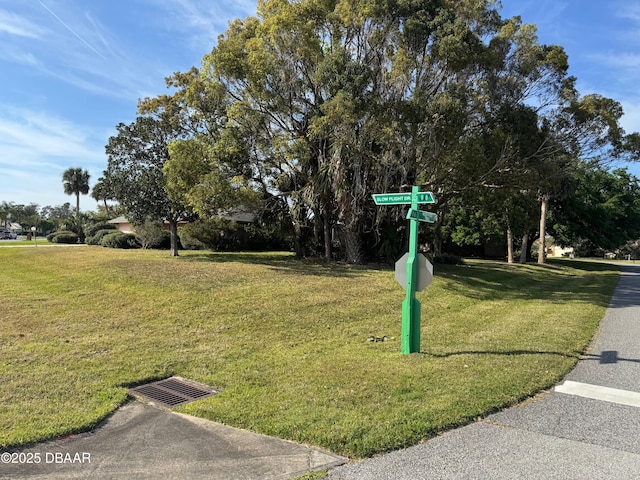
(172, 392)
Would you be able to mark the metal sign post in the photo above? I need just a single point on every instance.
(410, 336)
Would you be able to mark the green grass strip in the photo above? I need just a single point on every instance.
(288, 341)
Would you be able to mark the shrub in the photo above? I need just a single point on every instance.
(97, 237)
(93, 229)
(214, 233)
(222, 234)
(65, 237)
(448, 258)
(190, 243)
(119, 239)
(75, 225)
(153, 235)
(64, 233)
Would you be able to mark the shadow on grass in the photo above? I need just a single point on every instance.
(556, 282)
(507, 353)
(586, 265)
(284, 263)
(606, 357)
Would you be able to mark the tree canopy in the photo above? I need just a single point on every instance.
(134, 175)
(602, 210)
(313, 105)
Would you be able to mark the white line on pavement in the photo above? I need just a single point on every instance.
(614, 395)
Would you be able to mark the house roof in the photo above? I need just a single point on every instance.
(242, 217)
(120, 219)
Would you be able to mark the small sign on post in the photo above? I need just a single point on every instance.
(402, 198)
(425, 272)
(421, 216)
(417, 272)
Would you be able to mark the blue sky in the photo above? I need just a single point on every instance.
(73, 69)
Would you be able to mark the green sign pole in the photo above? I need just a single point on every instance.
(410, 335)
(411, 306)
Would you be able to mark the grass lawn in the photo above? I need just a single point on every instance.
(285, 340)
(22, 241)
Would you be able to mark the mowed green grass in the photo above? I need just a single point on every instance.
(285, 340)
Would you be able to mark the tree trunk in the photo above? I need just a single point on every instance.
(525, 248)
(327, 236)
(352, 245)
(437, 238)
(297, 240)
(509, 245)
(542, 247)
(173, 226)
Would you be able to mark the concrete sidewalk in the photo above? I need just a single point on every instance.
(586, 428)
(143, 442)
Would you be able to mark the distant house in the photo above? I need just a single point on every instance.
(238, 215)
(557, 252)
(122, 224)
(126, 226)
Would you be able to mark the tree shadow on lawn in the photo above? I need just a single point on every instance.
(508, 353)
(604, 358)
(481, 280)
(283, 263)
(496, 281)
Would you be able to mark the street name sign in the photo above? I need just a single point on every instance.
(421, 216)
(402, 198)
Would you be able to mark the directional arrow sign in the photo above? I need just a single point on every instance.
(421, 216)
(402, 198)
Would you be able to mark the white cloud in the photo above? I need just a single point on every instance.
(17, 55)
(71, 43)
(630, 121)
(36, 148)
(66, 41)
(14, 24)
(623, 60)
(89, 61)
(43, 134)
(201, 21)
(629, 11)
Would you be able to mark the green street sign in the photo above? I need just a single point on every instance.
(391, 198)
(413, 271)
(421, 216)
(402, 198)
(426, 197)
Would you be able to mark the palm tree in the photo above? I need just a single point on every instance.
(76, 182)
(102, 192)
(4, 216)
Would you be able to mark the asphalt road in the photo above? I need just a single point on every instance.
(588, 427)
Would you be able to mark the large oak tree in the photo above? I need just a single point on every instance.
(136, 158)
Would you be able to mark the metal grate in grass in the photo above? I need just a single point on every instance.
(172, 392)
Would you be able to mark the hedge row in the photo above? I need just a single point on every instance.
(63, 236)
(120, 239)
